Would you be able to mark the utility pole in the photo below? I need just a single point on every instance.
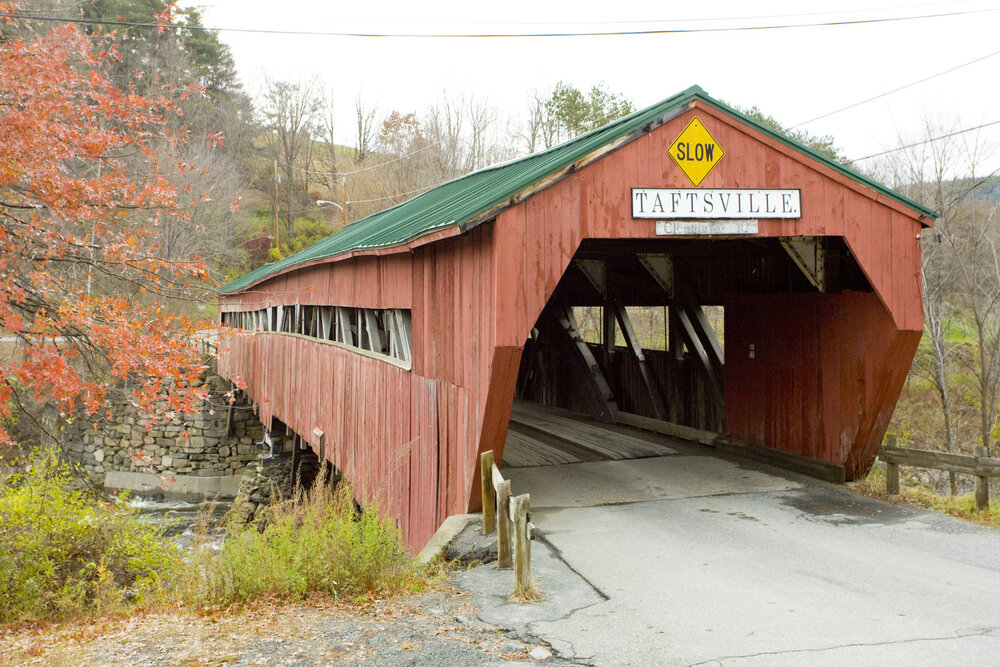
(343, 182)
(274, 204)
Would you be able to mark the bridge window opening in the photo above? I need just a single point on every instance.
(312, 324)
(589, 319)
(325, 316)
(345, 328)
(384, 332)
(400, 333)
(650, 324)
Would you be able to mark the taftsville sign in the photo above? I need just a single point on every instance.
(720, 203)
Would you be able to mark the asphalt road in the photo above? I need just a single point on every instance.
(696, 560)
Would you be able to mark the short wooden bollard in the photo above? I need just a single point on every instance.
(489, 502)
(520, 509)
(891, 471)
(503, 525)
(982, 485)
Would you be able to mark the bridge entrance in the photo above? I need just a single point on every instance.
(637, 333)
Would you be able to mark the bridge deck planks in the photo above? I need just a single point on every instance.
(540, 435)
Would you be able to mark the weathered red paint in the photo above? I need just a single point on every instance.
(827, 373)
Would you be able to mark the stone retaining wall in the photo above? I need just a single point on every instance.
(219, 441)
(272, 480)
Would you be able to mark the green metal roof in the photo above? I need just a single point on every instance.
(463, 199)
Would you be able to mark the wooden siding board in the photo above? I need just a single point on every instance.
(906, 271)
(535, 257)
(508, 272)
(800, 333)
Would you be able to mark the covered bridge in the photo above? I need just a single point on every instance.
(395, 347)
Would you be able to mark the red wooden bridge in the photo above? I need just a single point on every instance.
(396, 347)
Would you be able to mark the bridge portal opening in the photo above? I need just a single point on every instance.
(635, 336)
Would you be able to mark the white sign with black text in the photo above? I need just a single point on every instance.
(709, 204)
(709, 228)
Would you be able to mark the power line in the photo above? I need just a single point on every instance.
(974, 186)
(752, 17)
(369, 201)
(401, 194)
(896, 90)
(495, 35)
(927, 141)
(374, 166)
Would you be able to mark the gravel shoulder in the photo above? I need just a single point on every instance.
(438, 627)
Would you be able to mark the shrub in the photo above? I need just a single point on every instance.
(319, 542)
(66, 552)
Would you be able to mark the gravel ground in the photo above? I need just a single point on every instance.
(439, 627)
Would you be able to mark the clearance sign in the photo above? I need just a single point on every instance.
(696, 152)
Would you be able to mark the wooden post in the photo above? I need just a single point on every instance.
(274, 209)
(343, 209)
(489, 500)
(520, 508)
(607, 333)
(503, 526)
(295, 480)
(982, 484)
(891, 471)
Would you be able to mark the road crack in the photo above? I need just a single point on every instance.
(958, 634)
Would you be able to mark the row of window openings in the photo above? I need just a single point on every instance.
(387, 332)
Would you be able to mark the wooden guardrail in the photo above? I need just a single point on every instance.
(510, 517)
(980, 465)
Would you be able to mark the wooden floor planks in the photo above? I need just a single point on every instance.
(540, 436)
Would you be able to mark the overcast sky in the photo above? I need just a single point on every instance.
(795, 74)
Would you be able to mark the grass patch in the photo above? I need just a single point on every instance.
(64, 552)
(528, 595)
(318, 542)
(960, 506)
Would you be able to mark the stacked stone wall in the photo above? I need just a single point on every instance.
(220, 440)
(275, 478)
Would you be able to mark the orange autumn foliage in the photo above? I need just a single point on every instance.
(84, 187)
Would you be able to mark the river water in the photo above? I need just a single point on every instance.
(179, 518)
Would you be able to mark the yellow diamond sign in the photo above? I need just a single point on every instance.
(696, 152)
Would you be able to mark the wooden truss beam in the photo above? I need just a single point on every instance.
(704, 331)
(596, 271)
(808, 253)
(633, 344)
(602, 398)
(690, 330)
(688, 322)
